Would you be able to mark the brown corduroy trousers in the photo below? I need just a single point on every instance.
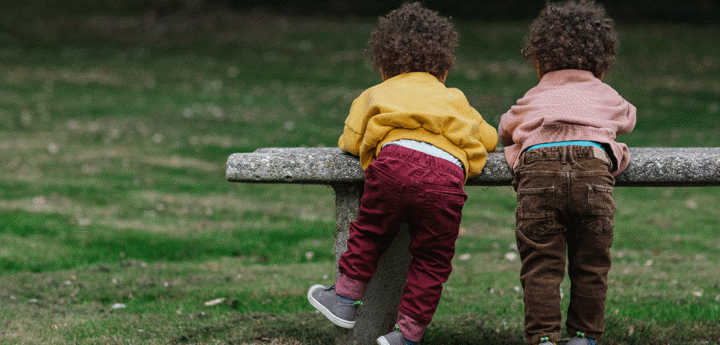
(565, 214)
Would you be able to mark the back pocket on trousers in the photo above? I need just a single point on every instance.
(443, 210)
(535, 203)
(600, 201)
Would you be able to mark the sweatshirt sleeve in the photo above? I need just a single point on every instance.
(628, 123)
(468, 124)
(355, 126)
(488, 134)
(350, 141)
(505, 129)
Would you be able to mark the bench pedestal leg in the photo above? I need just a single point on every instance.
(382, 295)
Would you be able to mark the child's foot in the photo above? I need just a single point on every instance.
(339, 310)
(394, 338)
(581, 339)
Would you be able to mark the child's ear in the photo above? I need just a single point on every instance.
(539, 73)
(444, 77)
(383, 75)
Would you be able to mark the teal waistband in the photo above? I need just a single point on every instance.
(566, 143)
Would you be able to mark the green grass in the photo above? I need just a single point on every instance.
(114, 133)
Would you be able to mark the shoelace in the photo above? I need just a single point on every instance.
(582, 335)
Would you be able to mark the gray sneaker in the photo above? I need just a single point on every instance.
(330, 304)
(581, 340)
(392, 338)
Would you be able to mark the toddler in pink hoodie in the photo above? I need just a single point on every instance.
(560, 143)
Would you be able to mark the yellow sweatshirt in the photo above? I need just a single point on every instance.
(419, 107)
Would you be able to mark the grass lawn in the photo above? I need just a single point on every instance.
(117, 226)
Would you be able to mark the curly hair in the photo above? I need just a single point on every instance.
(572, 36)
(414, 39)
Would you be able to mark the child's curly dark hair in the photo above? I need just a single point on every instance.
(572, 36)
(414, 39)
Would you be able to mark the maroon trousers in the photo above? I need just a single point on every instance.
(404, 185)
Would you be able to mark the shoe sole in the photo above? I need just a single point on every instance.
(325, 311)
(382, 341)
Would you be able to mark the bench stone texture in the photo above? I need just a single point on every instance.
(329, 166)
(649, 166)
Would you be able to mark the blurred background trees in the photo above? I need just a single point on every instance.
(626, 11)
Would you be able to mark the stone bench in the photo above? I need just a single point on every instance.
(329, 166)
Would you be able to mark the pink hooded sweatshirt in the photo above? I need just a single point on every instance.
(568, 105)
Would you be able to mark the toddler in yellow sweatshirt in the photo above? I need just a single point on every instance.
(418, 142)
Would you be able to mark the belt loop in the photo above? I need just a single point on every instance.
(571, 154)
(563, 154)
